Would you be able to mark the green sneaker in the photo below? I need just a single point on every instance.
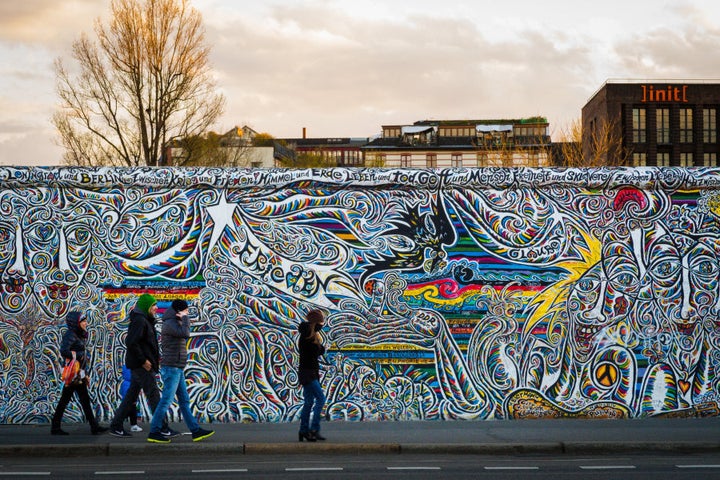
(201, 434)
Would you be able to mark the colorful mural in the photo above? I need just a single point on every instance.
(450, 294)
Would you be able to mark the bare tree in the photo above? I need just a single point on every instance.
(599, 147)
(375, 160)
(511, 152)
(145, 81)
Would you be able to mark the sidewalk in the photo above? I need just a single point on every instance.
(570, 436)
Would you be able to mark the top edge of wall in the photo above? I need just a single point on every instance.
(666, 178)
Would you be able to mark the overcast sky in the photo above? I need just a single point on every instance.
(344, 68)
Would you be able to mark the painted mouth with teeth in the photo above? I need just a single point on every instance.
(584, 335)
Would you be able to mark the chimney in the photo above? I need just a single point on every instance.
(304, 133)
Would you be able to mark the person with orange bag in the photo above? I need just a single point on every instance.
(72, 349)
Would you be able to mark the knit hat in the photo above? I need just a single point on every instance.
(145, 302)
(179, 305)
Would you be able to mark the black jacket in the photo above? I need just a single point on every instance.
(309, 368)
(174, 337)
(74, 340)
(141, 341)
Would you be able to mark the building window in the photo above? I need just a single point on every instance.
(456, 160)
(686, 123)
(710, 159)
(639, 159)
(662, 116)
(709, 125)
(431, 160)
(639, 125)
(352, 157)
(663, 159)
(686, 159)
(405, 160)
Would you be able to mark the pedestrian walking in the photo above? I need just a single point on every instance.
(73, 347)
(142, 357)
(174, 337)
(310, 348)
(134, 410)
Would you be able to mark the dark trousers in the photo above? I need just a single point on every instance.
(140, 379)
(66, 396)
(133, 415)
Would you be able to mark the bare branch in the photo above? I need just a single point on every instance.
(145, 80)
(597, 148)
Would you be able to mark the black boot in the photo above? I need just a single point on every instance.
(306, 436)
(317, 436)
(58, 431)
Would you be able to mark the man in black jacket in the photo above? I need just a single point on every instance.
(143, 359)
(175, 335)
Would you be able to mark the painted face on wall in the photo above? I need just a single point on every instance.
(47, 258)
(13, 279)
(587, 312)
(602, 297)
(683, 276)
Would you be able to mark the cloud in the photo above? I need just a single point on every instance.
(48, 22)
(351, 74)
(685, 53)
(23, 144)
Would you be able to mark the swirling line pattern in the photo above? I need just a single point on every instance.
(458, 293)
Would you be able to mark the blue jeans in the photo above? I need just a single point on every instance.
(173, 383)
(314, 400)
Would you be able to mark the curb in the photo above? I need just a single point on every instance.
(644, 446)
(209, 448)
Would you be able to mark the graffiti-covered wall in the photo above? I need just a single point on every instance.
(460, 293)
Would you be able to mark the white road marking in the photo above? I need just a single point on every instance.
(697, 466)
(314, 469)
(122, 472)
(413, 468)
(226, 470)
(607, 467)
(511, 468)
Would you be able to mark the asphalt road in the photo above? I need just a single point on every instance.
(368, 466)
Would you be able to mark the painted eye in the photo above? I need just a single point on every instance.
(706, 267)
(666, 268)
(42, 233)
(625, 279)
(587, 285)
(79, 235)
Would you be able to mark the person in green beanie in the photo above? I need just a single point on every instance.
(142, 358)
